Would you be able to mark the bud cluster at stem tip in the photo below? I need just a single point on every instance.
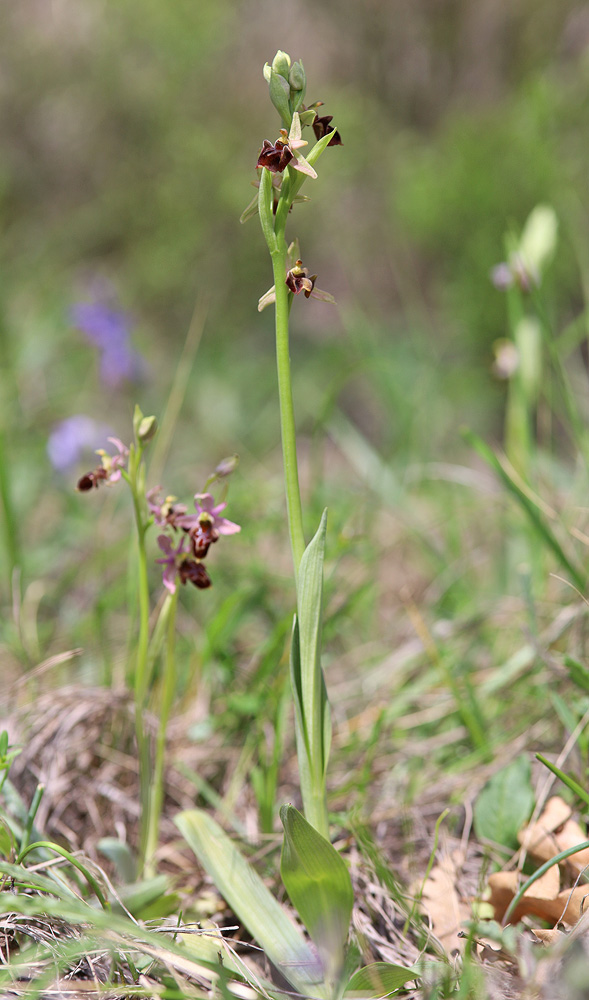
(287, 83)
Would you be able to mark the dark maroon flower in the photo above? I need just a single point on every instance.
(321, 127)
(275, 157)
(91, 479)
(201, 538)
(194, 571)
(179, 565)
(285, 151)
(298, 280)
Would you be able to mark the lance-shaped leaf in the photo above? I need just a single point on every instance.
(319, 886)
(378, 980)
(251, 901)
(312, 718)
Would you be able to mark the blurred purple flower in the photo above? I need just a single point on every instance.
(514, 272)
(109, 329)
(71, 438)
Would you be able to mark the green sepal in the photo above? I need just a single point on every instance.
(281, 64)
(308, 117)
(265, 198)
(298, 85)
(137, 418)
(279, 95)
(250, 210)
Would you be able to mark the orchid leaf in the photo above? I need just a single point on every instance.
(319, 886)
(320, 147)
(312, 718)
(505, 803)
(251, 901)
(378, 980)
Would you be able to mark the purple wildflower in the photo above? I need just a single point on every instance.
(205, 526)
(109, 330)
(208, 513)
(71, 438)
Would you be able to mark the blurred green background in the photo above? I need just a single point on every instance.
(129, 131)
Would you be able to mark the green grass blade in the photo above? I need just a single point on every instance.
(251, 900)
(574, 786)
(530, 509)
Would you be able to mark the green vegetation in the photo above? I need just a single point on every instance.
(196, 794)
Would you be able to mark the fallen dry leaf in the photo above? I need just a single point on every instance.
(547, 935)
(441, 902)
(575, 902)
(554, 832)
(541, 899)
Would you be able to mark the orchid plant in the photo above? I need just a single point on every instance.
(283, 158)
(314, 874)
(184, 541)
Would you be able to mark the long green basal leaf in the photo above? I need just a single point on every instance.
(251, 901)
(378, 980)
(319, 886)
(312, 712)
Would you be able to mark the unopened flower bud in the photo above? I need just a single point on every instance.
(281, 63)
(227, 466)
(147, 429)
(298, 85)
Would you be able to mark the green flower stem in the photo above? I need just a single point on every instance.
(11, 541)
(167, 697)
(135, 478)
(274, 232)
(287, 419)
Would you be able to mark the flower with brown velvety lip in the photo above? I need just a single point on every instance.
(321, 127)
(275, 157)
(285, 151)
(298, 280)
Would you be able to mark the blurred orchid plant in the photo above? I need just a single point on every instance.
(184, 540)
